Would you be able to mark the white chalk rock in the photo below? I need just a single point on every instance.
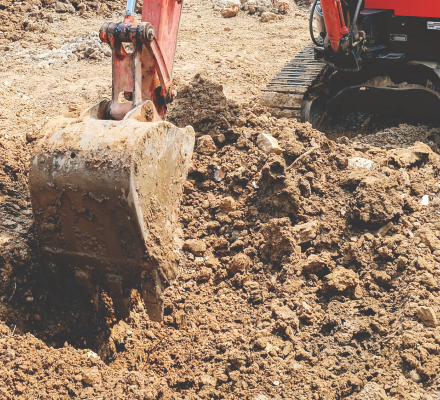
(251, 6)
(425, 200)
(268, 144)
(359, 162)
(264, 3)
(221, 4)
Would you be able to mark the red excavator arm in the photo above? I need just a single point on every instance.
(334, 22)
(145, 72)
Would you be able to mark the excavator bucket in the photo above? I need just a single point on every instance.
(105, 197)
(105, 188)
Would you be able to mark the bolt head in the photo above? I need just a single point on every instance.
(150, 33)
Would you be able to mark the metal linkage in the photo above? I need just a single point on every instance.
(132, 70)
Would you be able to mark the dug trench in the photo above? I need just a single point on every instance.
(309, 269)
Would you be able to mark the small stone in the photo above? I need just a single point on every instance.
(235, 235)
(283, 6)
(89, 51)
(92, 355)
(206, 145)
(64, 8)
(239, 264)
(372, 391)
(231, 11)
(285, 314)
(340, 280)
(261, 343)
(234, 375)
(384, 230)
(10, 354)
(252, 6)
(96, 55)
(208, 380)
(9, 223)
(276, 383)
(195, 246)
(268, 143)
(91, 376)
(227, 204)
(204, 274)
(219, 174)
(425, 200)
(359, 162)
(414, 376)
(267, 17)
(30, 137)
(427, 315)
(304, 233)
(428, 237)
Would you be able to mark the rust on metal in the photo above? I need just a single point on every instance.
(146, 73)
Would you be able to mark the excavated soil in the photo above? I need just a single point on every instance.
(24, 18)
(308, 270)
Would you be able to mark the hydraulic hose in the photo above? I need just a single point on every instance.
(312, 34)
(355, 19)
(358, 10)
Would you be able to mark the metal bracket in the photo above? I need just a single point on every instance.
(129, 69)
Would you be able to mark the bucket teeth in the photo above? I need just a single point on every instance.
(151, 291)
(88, 291)
(119, 296)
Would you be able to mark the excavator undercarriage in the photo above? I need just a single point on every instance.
(387, 62)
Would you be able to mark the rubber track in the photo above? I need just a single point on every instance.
(285, 92)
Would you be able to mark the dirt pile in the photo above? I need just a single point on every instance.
(35, 15)
(403, 135)
(203, 105)
(303, 275)
(33, 370)
(267, 9)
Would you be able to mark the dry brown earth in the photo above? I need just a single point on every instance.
(302, 276)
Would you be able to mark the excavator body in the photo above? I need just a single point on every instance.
(377, 56)
(106, 187)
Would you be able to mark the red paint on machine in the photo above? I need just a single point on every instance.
(407, 8)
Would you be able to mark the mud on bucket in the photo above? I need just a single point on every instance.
(105, 197)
